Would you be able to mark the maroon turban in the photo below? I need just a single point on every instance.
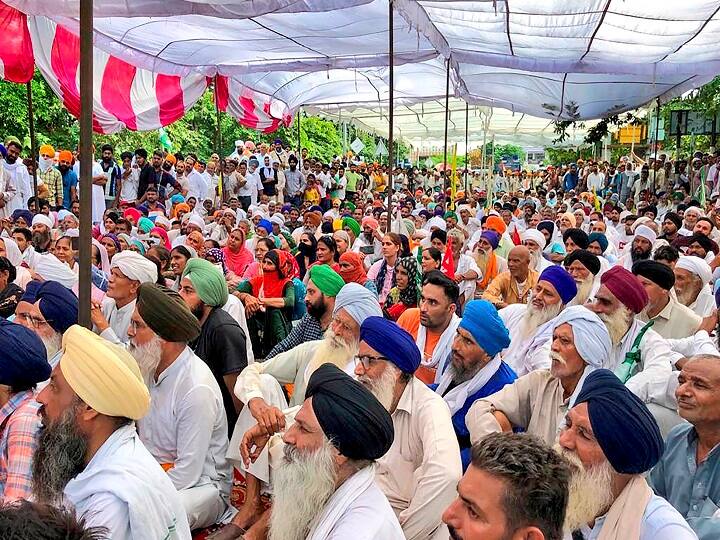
(626, 288)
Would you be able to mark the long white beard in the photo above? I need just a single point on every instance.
(52, 344)
(617, 324)
(689, 295)
(147, 356)
(535, 317)
(590, 491)
(383, 388)
(303, 484)
(333, 350)
(584, 288)
(535, 258)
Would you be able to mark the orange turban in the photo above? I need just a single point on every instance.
(47, 150)
(65, 155)
(171, 159)
(496, 224)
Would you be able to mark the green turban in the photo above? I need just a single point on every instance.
(353, 225)
(326, 279)
(164, 311)
(451, 214)
(350, 206)
(208, 282)
(145, 224)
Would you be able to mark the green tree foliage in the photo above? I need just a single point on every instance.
(563, 156)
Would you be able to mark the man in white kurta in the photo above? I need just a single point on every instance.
(693, 279)
(186, 428)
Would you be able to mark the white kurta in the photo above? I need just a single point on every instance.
(126, 491)
(118, 319)
(527, 354)
(704, 304)
(23, 186)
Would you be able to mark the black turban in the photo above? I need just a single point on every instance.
(672, 216)
(660, 274)
(623, 426)
(587, 259)
(704, 242)
(350, 416)
(578, 236)
(548, 226)
(440, 235)
(165, 312)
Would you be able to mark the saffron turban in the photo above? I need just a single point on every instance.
(622, 424)
(592, 339)
(58, 305)
(697, 266)
(103, 375)
(65, 155)
(351, 224)
(24, 360)
(48, 150)
(496, 224)
(392, 342)
(350, 416)
(578, 236)
(562, 282)
(166, 314)
(600, 238)
(492, 238)
(643, 231)
(358, 301)
(481, 319)
(326, 279)
(534, 236)
(208, 281)
(587, 259)
(145, 224)
(312, 219)
(135, 267)
(626, 288)
(371, 222)
(660, 274)
(42, 219)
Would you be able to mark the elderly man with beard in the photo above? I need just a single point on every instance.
(515, 488)
(584, 268)
(48, 309)
(258, 386)
(369, 242)
(111, 318)
(185, 430)
(89, 455)
(325, 487)
(323, 286)
(537, 402)
(611, 439)
(692, 285)
(641, 247)
(534, 240)
(489, 262)
(420, 472)
(530, 325)
(515, 285)
(475, 369)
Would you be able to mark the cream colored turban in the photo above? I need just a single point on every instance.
(103, 375)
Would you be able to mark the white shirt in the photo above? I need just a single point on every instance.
(22, 181)
(98, 192)
(324, 182)
(341, 183)
(253, 185)
(187, 426)
(525, 354)
(197, 186)
(118, 319)
(130, 185)
(595, 181)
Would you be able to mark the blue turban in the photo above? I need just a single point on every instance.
(600, 238)
(492, 238)
(3, 150)
(25, 214)
(177, 199)
(316, 208)
(391, 341)
(265, 224)
(592, 339)
(623, 426)
(481, 319)
(58, 304)
(358, 301)
(23, 363)
(563, 282)
(31, 292)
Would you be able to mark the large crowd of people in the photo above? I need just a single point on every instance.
(359, 352)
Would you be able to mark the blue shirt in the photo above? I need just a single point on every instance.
(694, 490)
(70, 180)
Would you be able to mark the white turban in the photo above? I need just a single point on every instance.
(196, 220)
(694, 210)
(534, 236)
(42, 219)
(643, 231)
(278, 219)
(50, 268)
(135, 267)
(12, 251)
(436, 222)
(697, 266)
(358, 301)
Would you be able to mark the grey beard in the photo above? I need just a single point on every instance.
(584, 288)
(52, 344)
(383, 388)
(461, 374)
(60, 456)
(147, 357)
(535, 317)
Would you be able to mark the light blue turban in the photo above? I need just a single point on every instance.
(592, 339)
(482, 320)
(358, 301)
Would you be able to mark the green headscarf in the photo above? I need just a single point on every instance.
(145, 224)
(208, 282)
(326, 279)
(451, 214)
(353, 225)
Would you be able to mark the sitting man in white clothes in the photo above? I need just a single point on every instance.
(584, 268)
(693, 277)
(186, 429)
(535, 241)
(530, 325)
(420, 472)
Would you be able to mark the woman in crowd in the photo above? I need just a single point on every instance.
(179, 257)
(352, 270)
(465, 269)
(405, 294)
(307, 253)
(64, 251)
(262, 247)
(431, 259)
(10, 293)
(237, 256)
(161, 236)
(342, 241)
(327, 252)
(196, 241)
(10, 249)
(111, 243)
(382, 272)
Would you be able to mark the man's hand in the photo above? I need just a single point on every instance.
(97, 318)
(270, 419)
(252, 444)
(709, 323)
(252, 305)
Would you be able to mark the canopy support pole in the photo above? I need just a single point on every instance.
(218, 145)
(86, 134)
(33, 147)
(446, 183)
(657, 133)
(467, 121)
(391, 47)
(299, 151)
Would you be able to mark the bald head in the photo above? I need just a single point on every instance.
(519, 262)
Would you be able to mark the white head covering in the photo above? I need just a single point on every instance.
(196, 220)
(436, 222)
(643, 231)
(12, 251)
(694, 210)
(697, 266)
(534, 236)
(50, 268)
(104, 259)
(135, 267)
(358, 301)
(42, 219)
(278, 218)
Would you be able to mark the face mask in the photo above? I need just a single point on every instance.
(45, 163)
(305, 249)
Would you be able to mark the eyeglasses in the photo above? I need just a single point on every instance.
(35, 322)
(368, 361)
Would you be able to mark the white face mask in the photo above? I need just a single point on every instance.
(45, 163)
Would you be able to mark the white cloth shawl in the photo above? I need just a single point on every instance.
(444, 344)
(457, 397)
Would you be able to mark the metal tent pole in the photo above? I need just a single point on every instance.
(218, 143)
(447, 120)
(391, 59)
(33, 146)
(467, 121)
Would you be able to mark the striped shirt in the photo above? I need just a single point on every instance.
(308, 329)
(19, 425)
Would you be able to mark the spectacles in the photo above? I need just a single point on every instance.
(35, 322)
(368, 361)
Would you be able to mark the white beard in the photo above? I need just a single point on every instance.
(584, 288)
(617, 324)
(590, 493)
(333, 350)
(303, 484)
(52, 344)
(535, 317)
(383, 388)
(147, 356)
(689, 295)
(535, 258)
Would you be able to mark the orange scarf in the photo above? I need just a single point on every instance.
(490, 271)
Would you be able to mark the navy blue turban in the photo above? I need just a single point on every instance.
(30, 293)
(58, 305)
(481, 319)
(622, 424)
(23, 362)
(350, 416)
(561, 280)
(391, 341)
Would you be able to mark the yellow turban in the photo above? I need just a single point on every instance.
(48, 150)
(103, 375)
(337, 224)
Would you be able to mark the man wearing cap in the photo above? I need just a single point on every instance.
(111, 318)
(537, 402)
(672, 320)
(641, 247)
(530, 325)
(475, 369)
(23, 364)
(612, 440)
(323, 286)
(584, 268)
(89, 454)
(186, 429)
(513, 286)
(420, 472)
(534, 240)
(692, 285)
(222, 342)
